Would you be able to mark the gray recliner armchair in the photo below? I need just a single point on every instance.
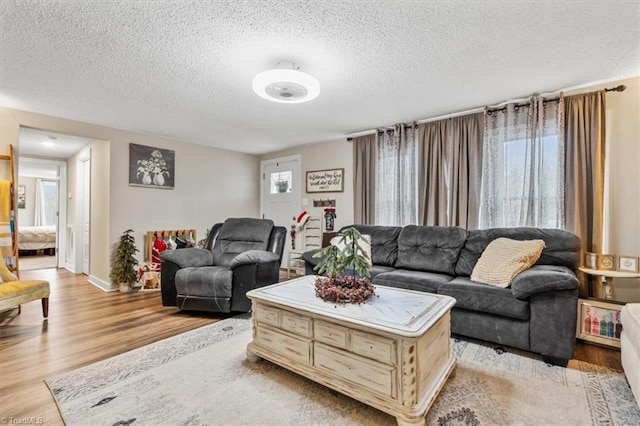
(239, 255)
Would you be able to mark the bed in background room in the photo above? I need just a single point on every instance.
(34, 238)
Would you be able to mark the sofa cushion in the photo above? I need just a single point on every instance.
(384, 242)
(430, 248)
(380, 269)
(412, 280)
(240, 235)
(562, 248)
(505, 258)
(207, 281)
(484, 298)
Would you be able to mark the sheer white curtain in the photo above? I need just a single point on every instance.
(46, 203)
(523, 166)
(40, 216)
(396, 200)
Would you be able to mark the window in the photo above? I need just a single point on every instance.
(396, 178)
(281, 182)
(46, 209)
(523, 167)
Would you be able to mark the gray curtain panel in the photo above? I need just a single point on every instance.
(466, 170)
(584, 136)
(365, 155)
(450, 171)
(432, 178)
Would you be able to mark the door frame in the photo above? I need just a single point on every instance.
(83, 157)
(61, 228)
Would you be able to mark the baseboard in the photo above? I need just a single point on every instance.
(102, 285)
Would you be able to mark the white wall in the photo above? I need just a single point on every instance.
(623, 162)
(328, 155)
(211, 184)
(25, 216)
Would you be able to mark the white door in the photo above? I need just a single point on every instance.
(281, 193)
(86, 214)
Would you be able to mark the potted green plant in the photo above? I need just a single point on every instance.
(347, 266)
(123, 272)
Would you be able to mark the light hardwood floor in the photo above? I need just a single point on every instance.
(86, 325)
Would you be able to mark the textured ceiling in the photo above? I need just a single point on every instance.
(183, 69)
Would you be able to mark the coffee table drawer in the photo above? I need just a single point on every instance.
(267, 314)
(372, 346)
(296, 324)
(346, 366)
(291, 347)
(330, 334)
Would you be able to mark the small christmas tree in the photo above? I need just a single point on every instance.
(347, 270)
(123, 271)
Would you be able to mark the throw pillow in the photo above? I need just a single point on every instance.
(504, 259)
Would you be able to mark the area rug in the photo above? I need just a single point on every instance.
(203, 378)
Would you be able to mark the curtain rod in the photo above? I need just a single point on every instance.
(619, 88)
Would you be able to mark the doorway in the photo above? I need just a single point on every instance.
(41, 212)
(281, 192)
(45, 156)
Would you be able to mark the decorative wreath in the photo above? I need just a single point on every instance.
(344, 289)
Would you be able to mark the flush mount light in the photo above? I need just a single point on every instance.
(50, 142)
(286, 84)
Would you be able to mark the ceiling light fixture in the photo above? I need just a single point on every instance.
(286, 84)
(50, 142)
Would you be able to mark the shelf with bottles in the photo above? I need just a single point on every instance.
(599, 322)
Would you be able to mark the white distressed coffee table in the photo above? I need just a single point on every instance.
(392, 352)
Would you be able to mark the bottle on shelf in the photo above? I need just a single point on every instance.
(610, 326)
(603, 326)
(586, 324)
(595, 325)
(618, 326)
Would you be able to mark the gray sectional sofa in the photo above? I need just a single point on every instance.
(537, 312)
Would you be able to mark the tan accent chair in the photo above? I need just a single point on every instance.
(13, 293)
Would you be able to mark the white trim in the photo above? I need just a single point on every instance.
(101, 284)
(84, 156)
(69, 267)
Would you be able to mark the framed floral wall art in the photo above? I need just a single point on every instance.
(151, 167)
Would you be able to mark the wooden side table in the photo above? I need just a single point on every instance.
(607, 288)
(599, 318)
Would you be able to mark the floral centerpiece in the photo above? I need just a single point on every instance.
(347, 266)
(154, 166)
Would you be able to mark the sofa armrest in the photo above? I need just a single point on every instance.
(542, 278)
(310, 261)
(253, 257)
(188, 257)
